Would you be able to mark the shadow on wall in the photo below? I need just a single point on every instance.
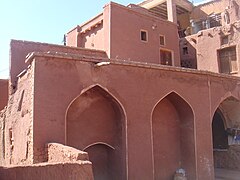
(188, 53)
(96, 123)
(226, 134)
(173, 137)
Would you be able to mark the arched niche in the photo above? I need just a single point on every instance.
(226, 134)
(102, 157)
(219, 131)
(230, 109)
(96, 116)
(173, 137)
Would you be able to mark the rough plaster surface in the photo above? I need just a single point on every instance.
(17, 129)
(228, 159)
(59, 171)
(205, 57)
(58, 80)
(60, 153)
(193, 86)
(2, 133)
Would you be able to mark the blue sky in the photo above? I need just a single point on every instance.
(43, 21)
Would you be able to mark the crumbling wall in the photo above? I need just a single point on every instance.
(2, 133)
(206, 9)
(228, 159)
(17, 130)
(188, 53)
(205, 45)
(60, 153)
(60, 171)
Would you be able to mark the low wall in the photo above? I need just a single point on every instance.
(60, 171)
(60, 153)
(228, 159)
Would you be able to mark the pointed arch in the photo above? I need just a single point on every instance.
(225, 129)
(229, 106)
(94, 116)
(172, 92)
(99, 143)
(173, 136)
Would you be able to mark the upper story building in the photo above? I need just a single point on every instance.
(131, 33)
(167, 32)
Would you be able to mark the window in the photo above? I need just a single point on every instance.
(143, 35)
(162, 40)
(166, 57)
(228, 60)
(224, 40)
(185, 50)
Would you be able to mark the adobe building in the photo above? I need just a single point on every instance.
(118, 101)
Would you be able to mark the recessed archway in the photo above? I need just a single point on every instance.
(225, 133)
(173, 137)
(96, 116)
(219, 133)
(102, 155)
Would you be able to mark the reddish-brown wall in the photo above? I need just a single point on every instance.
(20, 49)
(125, 42)
(119, 35)
(72, 38)
(203, 47)
(3, 93)
(60, 153)
(92, 39)
(61, 171)
(203, 93)
(17, 133)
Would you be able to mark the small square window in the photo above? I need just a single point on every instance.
(143, 35)
(224, 40)
(162, 40)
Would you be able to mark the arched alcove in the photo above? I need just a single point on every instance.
(226, 134)
(96, 116)
(102, 158)
(219, 133)
(173, 137)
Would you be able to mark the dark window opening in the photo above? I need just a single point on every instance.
(224, 40)
(166, 57)
(143, 35)
(162, 40)
(185, 50)
(228, 60)
(219, 134)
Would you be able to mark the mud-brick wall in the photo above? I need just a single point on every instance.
(61, 171)
(228, 159)
(3, 93)
(16, 131)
